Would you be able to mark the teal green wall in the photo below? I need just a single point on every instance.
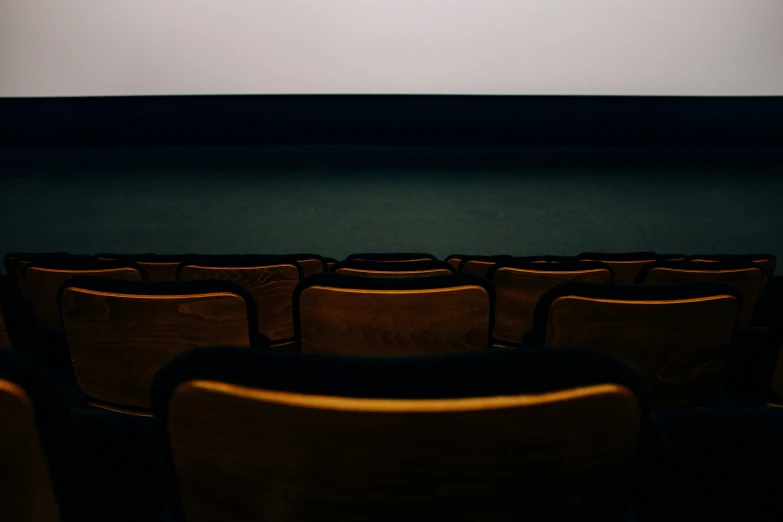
(338, 201)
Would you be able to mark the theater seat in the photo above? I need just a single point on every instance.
(745, 277)
(353, 315)
(121, 332)
(626, 266)
(677, 337)
(531, 436)
(519, 285)
(43, 279)
(271, 281)
(310, 263)
(11, 262)
(39, 471)
(393, 268)
(766, 262)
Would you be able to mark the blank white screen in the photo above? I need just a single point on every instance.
(569, 47)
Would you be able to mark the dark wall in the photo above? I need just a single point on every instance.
(391, 120)
(338, 200)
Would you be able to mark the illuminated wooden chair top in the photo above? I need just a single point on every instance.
(508, 435)
(676, 336)
(767, 262)
(519, 285)
(159, 267)
(271, 281)
(353, 315)
(745, 277)
(393, 268)
(626, 266)
(43, 279)
(480, 265)
(391, 257)
(40, 476)
(121, 332)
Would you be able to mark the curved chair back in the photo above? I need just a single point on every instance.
(766, 262)
(745, 277)
(43, 279)
(341, 314)
(509, 436)
(519, 285)
(626, 266)
(40, 477)
(11, 262)
(393, 268)
(310, 263)
(159, 267)
(271, 281)
(121, 332)
(330, 262)
(676, 336)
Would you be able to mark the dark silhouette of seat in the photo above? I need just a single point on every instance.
(330, 262)
(626, 266)
(40, 474)
(519, 285)
(271, 281)
(158, 267)
(677, 336)
(745, 277)
(393, 268)
(353, 315)
(121, 332)
(535, 436)
(480, 265)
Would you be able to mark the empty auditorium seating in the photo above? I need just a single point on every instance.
(745, 277)
(391, 257)
(18, 262)
(626, 266)
(393, 268)
(38, 469)
(677, 336)
(271, 281)
(121, 332)
(519, 285)
(158, 267)
(256, 436)
(354, 315)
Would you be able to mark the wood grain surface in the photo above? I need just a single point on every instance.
(43, 284)
(747, 280)
(26, 495)
(678, 346)
(342, 321)
(311, 266)
(517, 291)
(272, 288)
(242, 454)
(118, 342)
